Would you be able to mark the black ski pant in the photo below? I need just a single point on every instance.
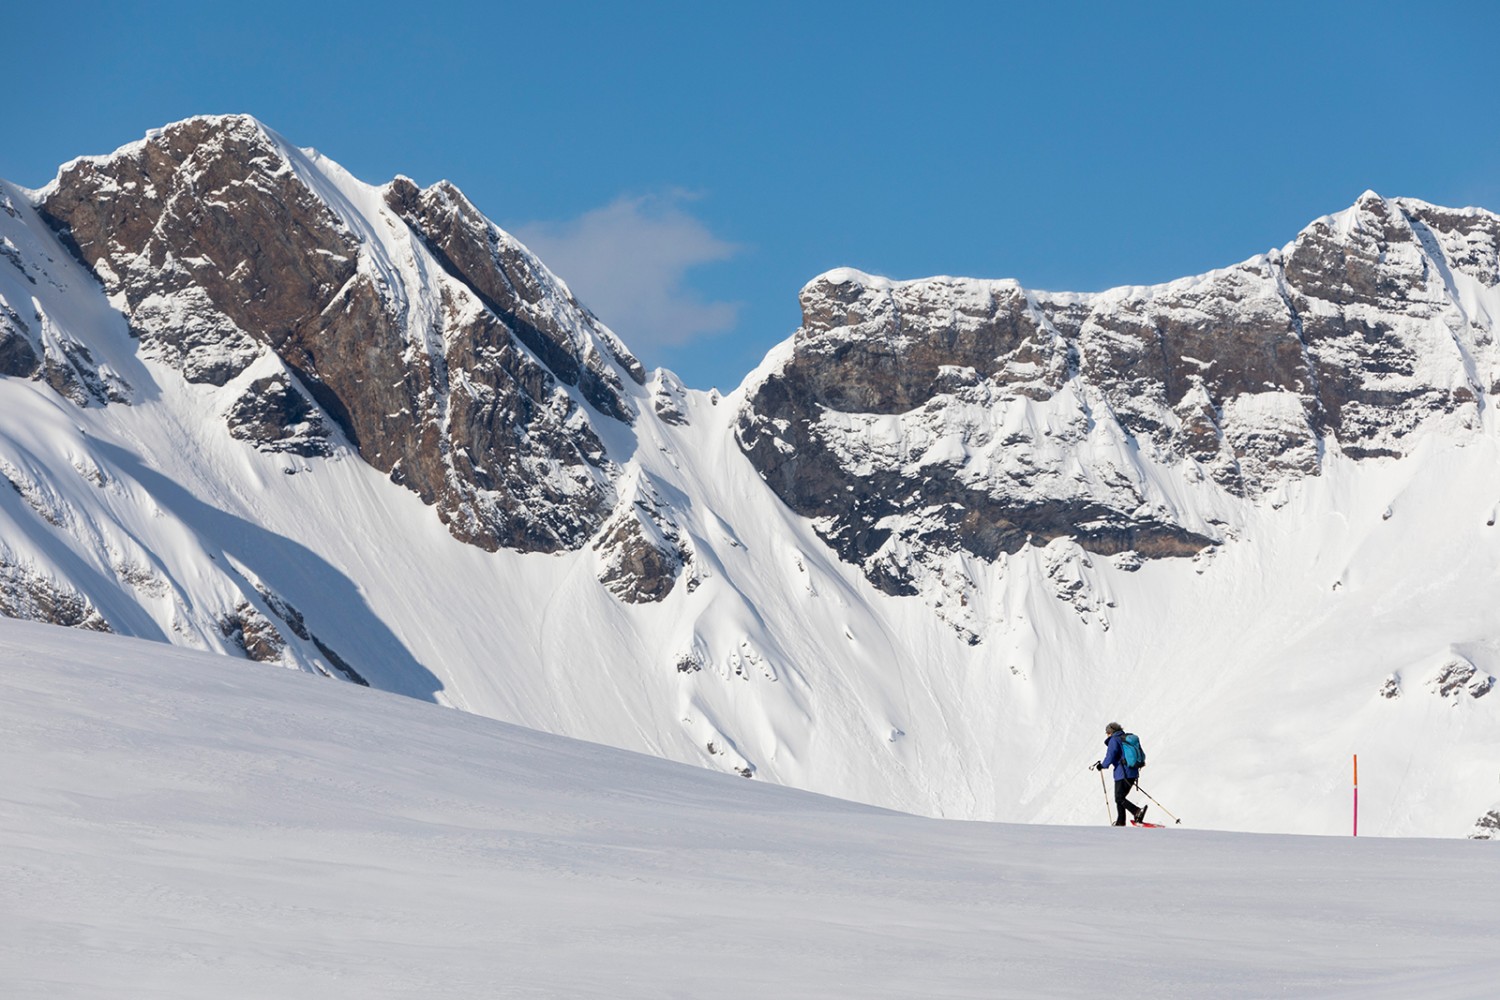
(1122, 804)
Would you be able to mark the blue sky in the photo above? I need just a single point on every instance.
(688, 167)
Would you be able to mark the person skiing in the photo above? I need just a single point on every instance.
(1125, 775)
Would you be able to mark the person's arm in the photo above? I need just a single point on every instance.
(1111, 752)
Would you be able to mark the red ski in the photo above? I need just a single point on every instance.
(1154, 826)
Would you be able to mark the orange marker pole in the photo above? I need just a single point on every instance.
(1356, 795)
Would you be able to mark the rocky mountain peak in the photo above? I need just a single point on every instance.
(915, 419)
(440, 348)
(513, 283)
(1145, 496)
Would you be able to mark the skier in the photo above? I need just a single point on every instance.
(1125, 775)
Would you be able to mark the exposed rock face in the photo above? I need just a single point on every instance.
(259, 637)
(275, 416)
(253, 633)
(68, 367)
(36, 350)
(919, 423)
(947, 415)
(641, 549)
(515, 286)
(1383, 329)
(40, 496)
(28, 595)
(668, 398)
(439, 345)
(17, 355)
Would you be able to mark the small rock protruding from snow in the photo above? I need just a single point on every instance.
(252, 633)
(1071, 574)
(669, 398)
(1457, 677)
(274, 415)
(723, 747)
(41, 496)
(799, 577)
(141, 578)
(745, 662)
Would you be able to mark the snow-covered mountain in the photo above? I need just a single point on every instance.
(921, 418)
(256, 406)
(175, 825)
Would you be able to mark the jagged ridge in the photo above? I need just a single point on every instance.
(959, 415)
(443, 350)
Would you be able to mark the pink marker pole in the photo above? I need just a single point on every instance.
(1356, 795)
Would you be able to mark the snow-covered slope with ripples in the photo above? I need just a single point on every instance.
(179, 825)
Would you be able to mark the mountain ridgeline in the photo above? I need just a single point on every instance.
(273, 380)
(1350, 338)
(221, 246)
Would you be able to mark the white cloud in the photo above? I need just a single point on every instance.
(627, 262)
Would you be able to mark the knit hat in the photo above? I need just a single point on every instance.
(1114, 727)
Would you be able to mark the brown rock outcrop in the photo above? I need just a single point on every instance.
(956, 415)
(443, 350)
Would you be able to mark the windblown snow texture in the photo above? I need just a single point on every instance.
(181, 826)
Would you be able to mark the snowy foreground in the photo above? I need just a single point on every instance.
(174, 824)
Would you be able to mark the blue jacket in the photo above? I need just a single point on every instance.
(1115, 754)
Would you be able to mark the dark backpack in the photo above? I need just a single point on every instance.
(1131, 753)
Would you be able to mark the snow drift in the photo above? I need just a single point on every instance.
(178, 825)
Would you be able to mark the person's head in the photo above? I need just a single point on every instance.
(1112, 728)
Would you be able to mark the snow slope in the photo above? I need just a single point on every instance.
(1252, 675)
(178, 825)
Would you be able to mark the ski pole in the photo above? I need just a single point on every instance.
(1108, 813)
(1158, 804)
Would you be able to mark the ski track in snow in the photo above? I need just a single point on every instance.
(178, 825)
